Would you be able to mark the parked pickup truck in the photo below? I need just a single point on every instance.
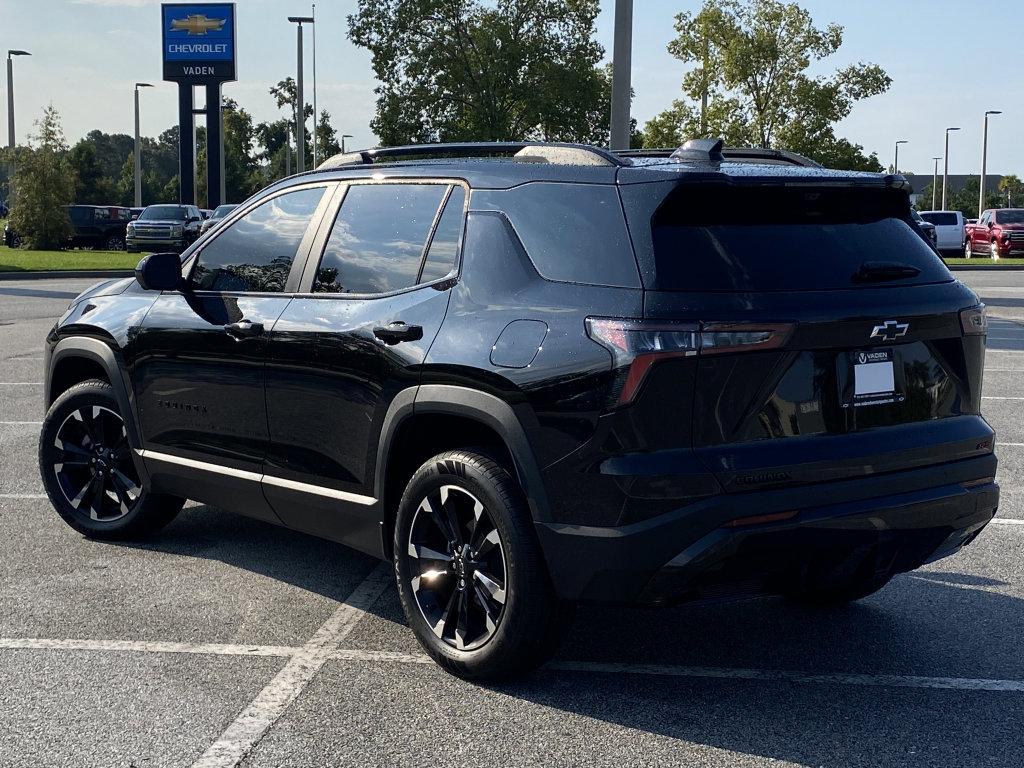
(998, 233)
(949, 229)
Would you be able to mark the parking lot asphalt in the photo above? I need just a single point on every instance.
(227, 641)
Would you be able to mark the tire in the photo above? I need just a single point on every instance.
(994, 251)
(94, 487)
(506, 616)
(114, 243)
(830, 595)
(968, 249)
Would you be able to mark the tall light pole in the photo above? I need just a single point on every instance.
(10, 95)
(945, 172)
(343, 137)
(622, 56)
(138, 147)
(316, 115)
(935, 182)
(896, 160)
(984, 160)
(300, 110)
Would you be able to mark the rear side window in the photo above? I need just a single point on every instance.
(573, 233)
(940, 219)
(444, 245)
(711, 237)
(256, 252)
(378, 239)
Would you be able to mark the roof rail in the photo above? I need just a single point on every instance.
(734, 154)
(524, 151)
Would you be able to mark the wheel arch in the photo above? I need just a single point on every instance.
(468, 418)
(79, 358)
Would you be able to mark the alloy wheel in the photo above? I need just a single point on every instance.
(93, 464)
(457, 567)
(968, 250)
(995, 251)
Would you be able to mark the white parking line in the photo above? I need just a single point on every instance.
(20, 423)
(254, 721)
(22, 495)
(728, 673)
(1006, 521)
(21, 383)
(987, 397)
(214, 649)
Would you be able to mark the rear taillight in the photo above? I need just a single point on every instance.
(974, 321)
(636, 345)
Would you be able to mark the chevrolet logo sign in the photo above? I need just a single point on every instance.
(197, 24)
(890, 330)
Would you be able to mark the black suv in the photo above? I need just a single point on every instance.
(534, 375)
(93, 226)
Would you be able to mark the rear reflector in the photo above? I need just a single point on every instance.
(776, 517)
(636, 345)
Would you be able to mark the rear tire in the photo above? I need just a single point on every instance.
(968, 249)
(114, 243)
(88, 471)
(830, 595)
(470, 572)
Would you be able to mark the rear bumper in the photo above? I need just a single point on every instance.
(891, 523)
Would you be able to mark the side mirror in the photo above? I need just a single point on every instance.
(159, 272)
(991, 224)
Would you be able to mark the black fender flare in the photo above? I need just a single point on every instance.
(96, 351)
(475, 404)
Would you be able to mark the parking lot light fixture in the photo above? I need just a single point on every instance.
(10, 93)
(945, 172)
(935, 182)
(343, 137)
(896, 160)
(138, 148)
(984, 159)
(300, 106)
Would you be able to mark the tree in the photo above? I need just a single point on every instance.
(751, 66)
(1011, 191)
(457, 70)
(43, 186)
(964, 199)
(92, 186)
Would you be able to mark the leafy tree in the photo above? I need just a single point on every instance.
(92, 186)
(964, 200)
(43, 185)
(326, 137)
(1011, 191)
(242, 176)
(752, 63)
(454, 70)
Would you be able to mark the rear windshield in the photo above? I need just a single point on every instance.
(724, 238)
(1010, 216)
(940, 219)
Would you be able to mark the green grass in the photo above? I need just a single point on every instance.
(983, 261)
(18, 260)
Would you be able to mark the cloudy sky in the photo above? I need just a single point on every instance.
(946, 71)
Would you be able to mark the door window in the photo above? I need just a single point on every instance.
(444, 245)
(378, 240)
(256, 252)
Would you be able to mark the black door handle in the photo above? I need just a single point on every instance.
(396, 332)
(243, 328)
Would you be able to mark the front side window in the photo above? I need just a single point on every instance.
(377, 242)
(256, 252)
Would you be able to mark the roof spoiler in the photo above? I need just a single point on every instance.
(700, 151)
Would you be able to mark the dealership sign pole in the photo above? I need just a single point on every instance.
(199, 49)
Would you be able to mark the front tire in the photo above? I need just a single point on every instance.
(114, 243)
(968, 249)
(995, 251)
(88, 471)
(470, 572)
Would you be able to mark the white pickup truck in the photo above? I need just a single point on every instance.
(949, 229)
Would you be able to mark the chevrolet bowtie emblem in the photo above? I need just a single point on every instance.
(197, 24)
(890, 330)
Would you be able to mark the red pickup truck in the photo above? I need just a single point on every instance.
(998, 233)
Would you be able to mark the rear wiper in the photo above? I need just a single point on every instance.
(881, 271)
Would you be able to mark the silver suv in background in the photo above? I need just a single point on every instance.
(949, 229)
(219, 214)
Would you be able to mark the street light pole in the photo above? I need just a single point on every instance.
(896, 160)
(622, 56)
(984, 159)
(945, 172)
(10, 95)
(300, 109)
(138, 148)
(343, 137)
(935, 182)
(316, 115)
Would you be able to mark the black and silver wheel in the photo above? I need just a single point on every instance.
(115, 243)
(458, 577)
(994, 250)
(471, 576)
(88, 470)
(968, 249)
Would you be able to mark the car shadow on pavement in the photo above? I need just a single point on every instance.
(934, 624)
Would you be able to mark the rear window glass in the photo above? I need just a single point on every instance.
(722, 238)
(940, 219)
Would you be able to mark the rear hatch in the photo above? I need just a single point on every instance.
(827, 340)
